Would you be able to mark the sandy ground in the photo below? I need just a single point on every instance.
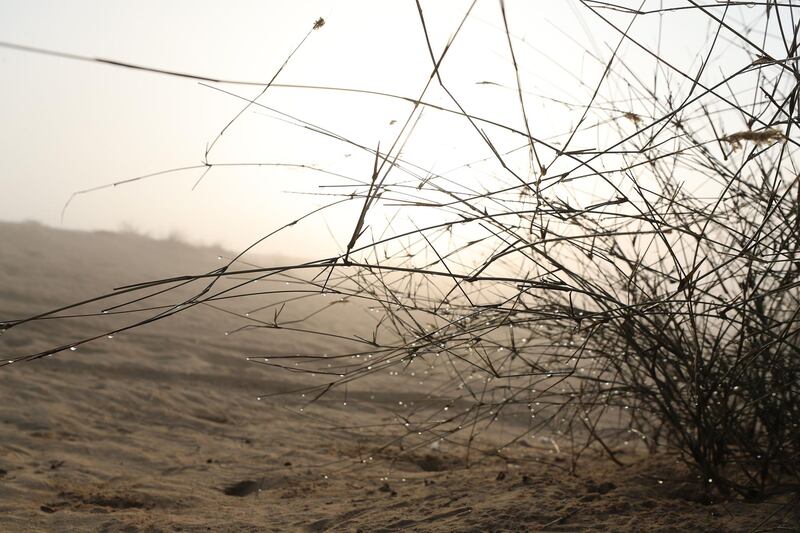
(160, 430)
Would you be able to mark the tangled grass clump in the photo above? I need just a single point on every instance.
(646, 286)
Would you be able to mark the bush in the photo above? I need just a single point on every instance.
(645, 288)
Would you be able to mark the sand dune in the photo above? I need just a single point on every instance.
(159, 429)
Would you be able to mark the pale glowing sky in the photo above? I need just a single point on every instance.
(71, 125)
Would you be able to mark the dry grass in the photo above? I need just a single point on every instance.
(661, 307)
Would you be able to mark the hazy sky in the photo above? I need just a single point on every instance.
(71, 125)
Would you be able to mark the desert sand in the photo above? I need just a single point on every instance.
(160, 429)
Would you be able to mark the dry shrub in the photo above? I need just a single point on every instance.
(661, 308)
